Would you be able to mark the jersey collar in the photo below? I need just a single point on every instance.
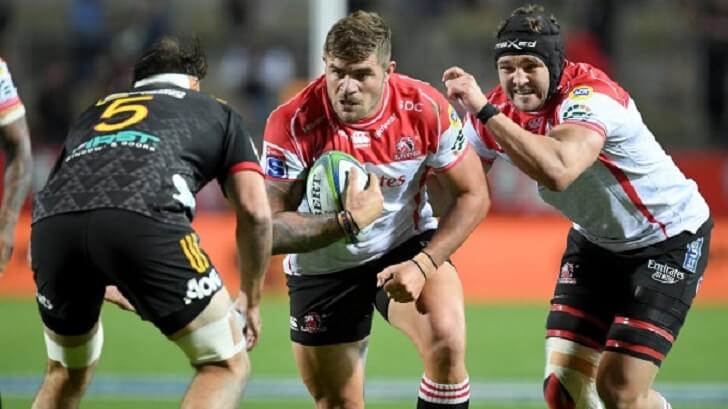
(180, 80)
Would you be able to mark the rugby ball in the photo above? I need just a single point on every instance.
(327, 180)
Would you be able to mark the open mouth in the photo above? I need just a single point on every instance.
(525, 91)
(348, 104)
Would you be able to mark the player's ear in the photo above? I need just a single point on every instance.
(389, 67)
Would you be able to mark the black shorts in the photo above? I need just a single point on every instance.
(632, 302)
(336, 308)
(159, 267)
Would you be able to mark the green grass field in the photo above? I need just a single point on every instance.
(505, 344)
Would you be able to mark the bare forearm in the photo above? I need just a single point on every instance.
(16, 183)
(294, 232)
(455, 226)
(537, 156)
(254, 258)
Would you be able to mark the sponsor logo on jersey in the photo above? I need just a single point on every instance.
(383, 127)
(578, 112)
(275, 166)
(664, 273)
(516, 44)
(459, 143)
(132, 139)
(566, 275)
(695, 250)
(534, 124)
(307, 127)
(410, 106)
(392, 181)
(454, 117)
(361, 139)
(583, 92)
(405, 148)
(200, 288)
(275, 163)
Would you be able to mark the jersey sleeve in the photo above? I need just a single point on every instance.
(282, 158)
(240, 152)
(11, 108)
(451, 143)
(476, 134)
(596, 106)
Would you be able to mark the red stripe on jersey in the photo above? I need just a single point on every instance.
(630, 322)
(630, 191)
(580, 314)
(455, 162)
(594, 127)
(11, 103)
(640, 349)
(241, 166)
(572, 336)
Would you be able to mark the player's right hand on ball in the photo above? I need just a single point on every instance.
(366, 204)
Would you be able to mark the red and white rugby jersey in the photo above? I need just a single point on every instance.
(633, 195)
(414, 131)
(11, 108)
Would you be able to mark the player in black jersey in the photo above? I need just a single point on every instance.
(117, 209)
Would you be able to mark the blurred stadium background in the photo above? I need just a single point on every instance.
(670, 55)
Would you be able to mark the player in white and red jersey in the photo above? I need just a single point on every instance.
(401, 130)
(18, 161)
(639, 243)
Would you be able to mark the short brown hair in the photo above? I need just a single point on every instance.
(355, 37)
(172, 55)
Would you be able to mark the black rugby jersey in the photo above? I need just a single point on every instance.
(148, 150)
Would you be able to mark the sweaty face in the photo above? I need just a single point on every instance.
(355, 88)
(525, 79)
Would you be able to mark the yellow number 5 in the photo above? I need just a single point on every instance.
(120, 106)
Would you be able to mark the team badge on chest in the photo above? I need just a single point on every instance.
(406, 148)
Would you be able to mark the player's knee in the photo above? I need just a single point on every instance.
(218, 341)
(617, 393)
(73, 380)
(447, 352)
(570, 375)
(76, 352)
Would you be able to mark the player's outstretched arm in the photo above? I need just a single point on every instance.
(295, 232)
(16, 144)
(253, 235)
(554, 162)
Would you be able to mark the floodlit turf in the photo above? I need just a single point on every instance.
(505, 343)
